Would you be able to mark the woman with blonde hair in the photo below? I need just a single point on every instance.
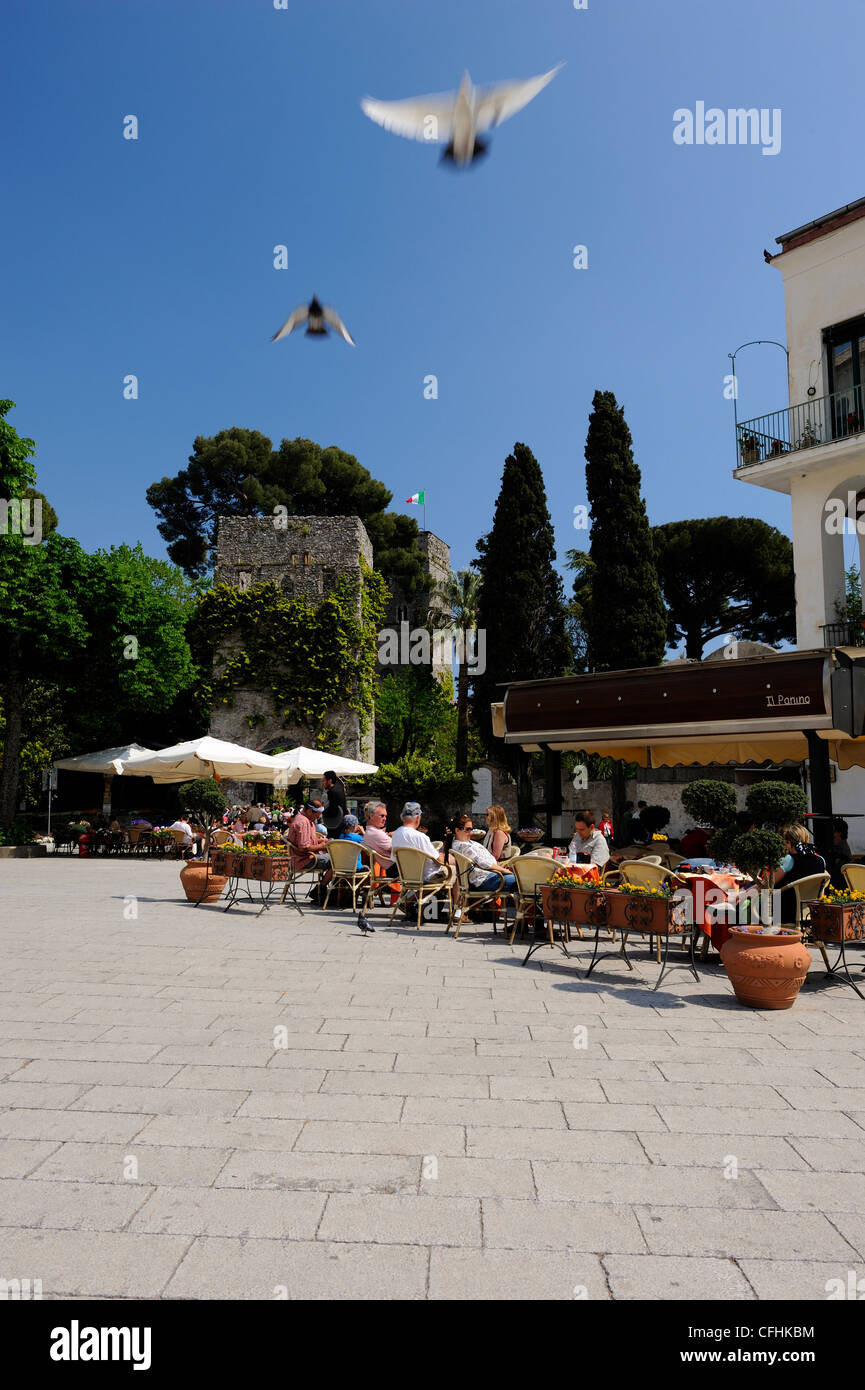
(498, 836)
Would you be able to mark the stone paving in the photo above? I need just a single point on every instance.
(429, 1129)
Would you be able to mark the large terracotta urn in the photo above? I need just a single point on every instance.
(766, 970)
(197, 886)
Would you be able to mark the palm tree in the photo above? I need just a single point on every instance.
(454, 603)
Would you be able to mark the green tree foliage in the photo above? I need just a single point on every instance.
(440, 791)
(709, 801)
(623, 611)
(205, 799)
(455, 604)
(137, 657)
(237, 472)
(42, 631)
(776, 803)
(414, 713)
(521, 604)
(17, 469)
(724, 574)
(851, 609)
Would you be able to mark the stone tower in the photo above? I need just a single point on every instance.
(305, 555)
(436, 555)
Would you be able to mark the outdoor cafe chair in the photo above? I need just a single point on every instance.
(808, 890)
(414, 890)
(379, 883)
(344, 856)
(530, 872)
(468, 897)
(180, 847)
(854, 877)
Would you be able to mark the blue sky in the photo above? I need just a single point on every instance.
(155, 256)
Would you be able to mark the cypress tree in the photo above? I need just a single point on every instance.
(624, 615)
(521, 604)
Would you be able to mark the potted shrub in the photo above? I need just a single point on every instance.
(205, 800)
(777, 448)
(749, 448)
(776, 803)
(653, 819)
(766, 965)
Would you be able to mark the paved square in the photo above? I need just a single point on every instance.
(428, 1130)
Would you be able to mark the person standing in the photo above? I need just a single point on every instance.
(335, 807)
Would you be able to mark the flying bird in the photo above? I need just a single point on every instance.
(457, 119)
(317, 317)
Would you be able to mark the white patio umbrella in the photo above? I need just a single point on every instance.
(108, 761)
(202, 757)
(104, 760)
(311, 762)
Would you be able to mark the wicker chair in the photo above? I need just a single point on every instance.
(414, 889)
(530, 872)
(807, 890)
(344, 856)
(854, 877)
(468, 897)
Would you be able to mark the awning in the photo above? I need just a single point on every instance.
(740, 711)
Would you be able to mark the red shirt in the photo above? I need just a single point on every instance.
(302, 835)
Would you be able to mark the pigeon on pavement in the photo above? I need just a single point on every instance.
(457, 119)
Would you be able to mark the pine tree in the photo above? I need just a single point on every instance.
(521, 609)
(624, 614)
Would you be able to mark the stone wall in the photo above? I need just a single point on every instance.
(305, 556)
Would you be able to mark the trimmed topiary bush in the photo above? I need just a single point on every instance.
(654, 818)
(776, 803)
(757, 850)
(204, 798)
(709, 802)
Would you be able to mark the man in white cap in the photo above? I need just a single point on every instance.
(408, 836)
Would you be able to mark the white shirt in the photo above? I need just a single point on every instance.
(479, 855)
(186, 828)
(407, 837)
(595, 846)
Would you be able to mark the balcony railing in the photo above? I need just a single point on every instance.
(819, 421)
(844, 634)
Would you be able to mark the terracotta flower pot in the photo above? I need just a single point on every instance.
(193, 876)
(766, 971)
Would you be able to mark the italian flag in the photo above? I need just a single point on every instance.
(419, 498)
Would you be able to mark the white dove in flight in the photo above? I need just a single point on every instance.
(317, 317)
(457, 119)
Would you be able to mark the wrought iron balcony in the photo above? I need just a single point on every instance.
(844, 633)
(819, 421)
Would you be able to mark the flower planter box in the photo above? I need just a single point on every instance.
(269, 868)
(220, 860)
(837, 921)
(642, 913)
(586, 906)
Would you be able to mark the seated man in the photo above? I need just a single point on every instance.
(308, 849)
(588, 843)
(376, 838)
(190, 839)
(409, 836)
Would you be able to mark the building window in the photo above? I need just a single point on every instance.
(402, 614)
(307, 559)
(845, 356)
(294, 559)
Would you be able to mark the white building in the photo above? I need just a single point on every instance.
(814, 448)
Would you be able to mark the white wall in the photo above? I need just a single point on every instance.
(824, 283)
